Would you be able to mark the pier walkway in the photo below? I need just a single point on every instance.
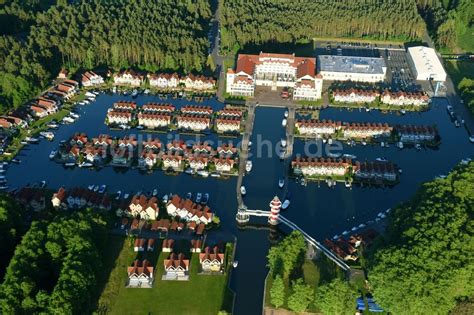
(244, 149)
(245, 215)
(290, 139)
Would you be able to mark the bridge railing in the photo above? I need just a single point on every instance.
(338, 261)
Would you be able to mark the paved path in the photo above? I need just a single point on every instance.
(244, 150)
(290, 139)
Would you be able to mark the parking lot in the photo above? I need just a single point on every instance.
(399, 73)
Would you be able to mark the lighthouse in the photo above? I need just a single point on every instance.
(275, 206)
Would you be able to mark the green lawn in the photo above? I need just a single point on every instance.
(199, 295)
(459, 69)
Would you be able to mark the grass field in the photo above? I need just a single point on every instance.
(459, 69)
(200, 295)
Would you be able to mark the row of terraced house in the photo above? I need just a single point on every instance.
(50, 101)
(190, 117)
(149, 152)
(387, 97)
(329, 167)
(325, 128)
(164, 81)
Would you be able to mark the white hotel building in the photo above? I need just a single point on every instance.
(275, 70)
(350, 68)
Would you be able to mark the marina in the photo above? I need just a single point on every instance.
(320, 212)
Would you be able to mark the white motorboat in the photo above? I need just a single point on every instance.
(31, 140)
(400, 145)
(248, 166)
(286, 114)
(381, 159)
(134, 93)
(85, 164)
(147, 91)
(281, 183)
(165, 198)
(96, 188)
(47, 134)
(345, 232)
(349, 156)
(119, 194)
(403, 112)
(382, 144)
(283, 122)
(285, 204)
(68, 119)
(250, 144)
(243, 191)
(335, 237)
(329, 141)
(198, 197)
(354, 229)
(70, 164)
(364, 143)
(90, 187)
(283, 143)
(102, 189)
(74, 115)
(348, 184)
(89, 94)
(155, 192)
(235, 264)
(203, 173)
(53, 153)
(126, 196)
(334, 155)
(189, 171)
(42, 184)
(140, 127)
(362, 225)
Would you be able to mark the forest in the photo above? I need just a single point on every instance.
(149, 35)
(424, 264)
(259, 21)
(450, 23)
(55, 266)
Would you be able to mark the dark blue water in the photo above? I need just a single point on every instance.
(322, 212)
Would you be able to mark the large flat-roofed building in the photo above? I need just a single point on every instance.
(426, 64)
(345, 68)
(275, 70)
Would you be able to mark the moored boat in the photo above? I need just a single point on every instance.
(205, 199)
(198, 197)
(349, 156)
(248, 166)
(285, 204)
(53, 153)
(281, 183)
(283, 143)
(284, 122)
(102, 189)
(203, 173)
(243, 191)
(155, 192)
(119, 194)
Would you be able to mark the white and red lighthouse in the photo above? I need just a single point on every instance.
(275, 206)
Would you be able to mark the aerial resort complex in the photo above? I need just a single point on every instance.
(236, 157)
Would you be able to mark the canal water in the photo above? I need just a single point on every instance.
(321, 211)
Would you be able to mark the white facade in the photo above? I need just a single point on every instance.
(275, 71)
(193, 123)
(348, 68)
(119, 118)
(153, 121)
(91, 79)
(308, 89)
(127, 78)
(426, 64)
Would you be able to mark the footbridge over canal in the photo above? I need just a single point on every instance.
(243, 216)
